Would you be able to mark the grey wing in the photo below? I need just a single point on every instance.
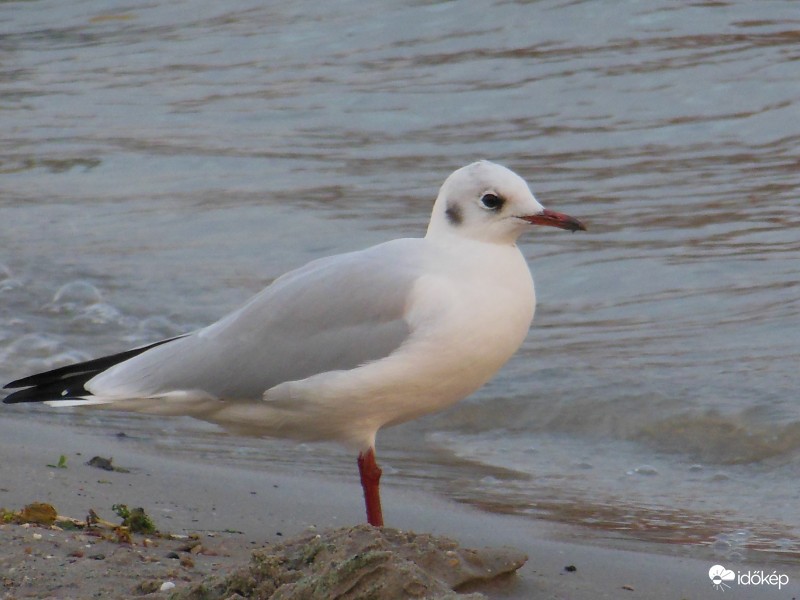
(334, 313)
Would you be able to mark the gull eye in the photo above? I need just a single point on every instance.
(492, 201)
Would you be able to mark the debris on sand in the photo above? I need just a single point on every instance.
(135, 519)
(61, 464)
(360, 562)
(106, 464)
(35, 513)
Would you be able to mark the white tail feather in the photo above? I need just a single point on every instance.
(76, 402)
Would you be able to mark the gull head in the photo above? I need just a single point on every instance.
(487, 202)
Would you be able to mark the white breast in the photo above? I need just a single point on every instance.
(465, 325)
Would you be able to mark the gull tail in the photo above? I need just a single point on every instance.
(65, 386)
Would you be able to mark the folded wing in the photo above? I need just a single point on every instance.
(334, 313)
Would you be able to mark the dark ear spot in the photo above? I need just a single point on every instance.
(453, 214)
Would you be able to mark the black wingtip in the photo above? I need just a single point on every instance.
(43, 393)
(65, 383)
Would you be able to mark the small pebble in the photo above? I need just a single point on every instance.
(570, 568)
(166, 586)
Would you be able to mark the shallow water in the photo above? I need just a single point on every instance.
(162, 162)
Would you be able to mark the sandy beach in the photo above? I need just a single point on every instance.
(220, 515)
(162, 165)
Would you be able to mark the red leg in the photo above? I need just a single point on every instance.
(370, 478)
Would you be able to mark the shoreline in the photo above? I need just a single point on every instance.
(244, 509)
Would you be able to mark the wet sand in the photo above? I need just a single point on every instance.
(230, 512)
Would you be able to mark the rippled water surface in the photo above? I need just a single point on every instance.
(162, 161)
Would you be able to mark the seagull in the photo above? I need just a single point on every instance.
(347, 344)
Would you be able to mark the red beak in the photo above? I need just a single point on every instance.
(555, 219)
